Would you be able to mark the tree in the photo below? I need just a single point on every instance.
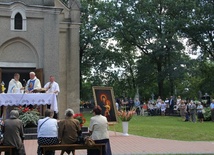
(130, 44)
(200, 28)
(152, 28)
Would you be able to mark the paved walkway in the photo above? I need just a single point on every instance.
(137, 145)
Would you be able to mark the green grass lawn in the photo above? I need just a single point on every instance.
(166, 127)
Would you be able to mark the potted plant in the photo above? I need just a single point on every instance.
(125, 117)
(29, 116)
(80, 118)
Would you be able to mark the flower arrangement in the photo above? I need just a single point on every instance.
(80, 118)
(125, 116)
(29, 116)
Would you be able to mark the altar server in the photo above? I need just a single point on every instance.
(52, 86)
(15, 85)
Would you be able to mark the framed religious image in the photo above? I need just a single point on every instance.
(104, 97)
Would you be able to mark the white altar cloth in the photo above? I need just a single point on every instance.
(29, 99)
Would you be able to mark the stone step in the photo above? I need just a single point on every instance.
(30, 136)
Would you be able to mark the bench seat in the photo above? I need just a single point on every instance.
(7, 149)
(71, 147)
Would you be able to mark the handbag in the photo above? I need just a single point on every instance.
(89, 141)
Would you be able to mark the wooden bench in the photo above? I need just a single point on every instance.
(7, 149)
(71, 147)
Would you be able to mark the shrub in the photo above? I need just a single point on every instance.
(207, 114)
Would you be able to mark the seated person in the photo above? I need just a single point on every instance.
(151, 109)
(69, 129)
(98, 129)
(47, 131)
(14, 133)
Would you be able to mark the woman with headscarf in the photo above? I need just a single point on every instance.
(14, 133)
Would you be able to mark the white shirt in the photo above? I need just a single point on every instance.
(199, 108)
(13, 86)
(52, 87)
(48, 128)
(163, 106)
(99, 127)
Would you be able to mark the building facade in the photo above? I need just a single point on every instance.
(42, 36)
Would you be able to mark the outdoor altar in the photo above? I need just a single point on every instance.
(28, 99)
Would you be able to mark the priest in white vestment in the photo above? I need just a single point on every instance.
(33, 83)
(15, 86)
(52, 87)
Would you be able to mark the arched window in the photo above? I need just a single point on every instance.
(18, 18)
(18, 21)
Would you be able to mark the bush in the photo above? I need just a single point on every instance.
(207, 114)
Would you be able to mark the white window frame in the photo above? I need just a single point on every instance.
(21, 10)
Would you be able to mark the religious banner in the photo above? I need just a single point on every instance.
(104, 97)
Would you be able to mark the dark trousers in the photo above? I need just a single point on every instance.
(106, 150)
(55, 114)
(212, 114)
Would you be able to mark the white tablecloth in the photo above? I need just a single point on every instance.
(27, 99)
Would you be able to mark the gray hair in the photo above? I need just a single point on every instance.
(69, 112)
(14, 114)
(32, 73)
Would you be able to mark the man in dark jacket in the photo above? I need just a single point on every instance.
(14, 133)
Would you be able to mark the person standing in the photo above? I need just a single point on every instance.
(137, 106)
(15, 86)
(171, 105)
(47, 130)
(212, 110)
(52, 87)
(33, 83)
(98, 129)
(192, 112)
(69, 129)
(182, 108)
(199, 112)
(14, 133)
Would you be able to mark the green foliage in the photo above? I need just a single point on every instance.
(29, 118)
(127, 47)
(199, 28)
(207, 114)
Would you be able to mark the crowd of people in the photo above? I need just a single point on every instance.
(189, 110)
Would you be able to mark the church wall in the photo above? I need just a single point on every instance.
(32, 2)
(51, 46)
(62, 72)
(53, 39)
